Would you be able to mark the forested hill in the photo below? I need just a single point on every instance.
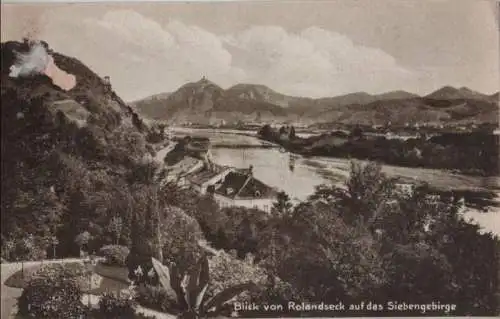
(64, 152)
(90, 91)
(204, 102)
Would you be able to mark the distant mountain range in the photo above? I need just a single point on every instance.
(204, 102)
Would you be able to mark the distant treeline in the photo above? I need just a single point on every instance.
(471, 153)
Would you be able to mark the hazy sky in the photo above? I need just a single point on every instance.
(303, 48)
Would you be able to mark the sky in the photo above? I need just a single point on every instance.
(303, 48)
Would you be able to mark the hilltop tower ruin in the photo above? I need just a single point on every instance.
(107, 84)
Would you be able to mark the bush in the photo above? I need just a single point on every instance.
(68, 270)
(156, 298)
(27, 248)
(115, 255)
(226, 271)
(135, 260)
(180, 237)
(52, 298)
(113, 306)
(78, 272)
(75, 271)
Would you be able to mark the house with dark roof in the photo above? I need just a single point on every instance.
(241, 188)
(202, 180)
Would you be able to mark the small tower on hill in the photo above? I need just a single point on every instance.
(107, 84)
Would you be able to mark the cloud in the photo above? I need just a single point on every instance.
(144, 57)
(315, 62)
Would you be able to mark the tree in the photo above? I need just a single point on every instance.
(144, 172)
(82, 239)
(115, 226)
(419, 272)
(283, 205)
(282, 130)
(367, 193)
(320, 255)
(266, 132)
(356, 133)
(291, 134)
(180, 234)
(141, 249)
(28, 248)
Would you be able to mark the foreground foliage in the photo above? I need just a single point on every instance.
(115, 255)
(190, 290)
(51, 298)
(115, 306)
(369, 239)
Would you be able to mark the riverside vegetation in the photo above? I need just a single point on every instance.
(468, 152)
(70, 184)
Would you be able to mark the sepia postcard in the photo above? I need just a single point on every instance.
(250, 159)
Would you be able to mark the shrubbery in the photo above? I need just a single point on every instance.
(354, 242)
(77, 272)
(115, 255)
(228, 271)
(51, 298)
(157, 298)
(225, 228)
(189, 289)
(114, 306)
(180, 236)
(66, 270)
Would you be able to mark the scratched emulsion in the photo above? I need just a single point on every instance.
(59, 77)
(38, 61)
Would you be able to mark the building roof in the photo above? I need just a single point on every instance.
(232, 184)
(183, 166)
(240, 185)
(256, 188)
(198, 144)
(205, 175)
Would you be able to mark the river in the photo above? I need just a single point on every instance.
(298, 176)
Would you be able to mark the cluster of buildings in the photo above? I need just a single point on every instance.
(194, 168)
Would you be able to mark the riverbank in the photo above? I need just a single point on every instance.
(298, 175)
(467, 153)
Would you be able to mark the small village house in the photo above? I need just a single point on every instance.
(203, 179)
(191, 165)
(240, 188)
